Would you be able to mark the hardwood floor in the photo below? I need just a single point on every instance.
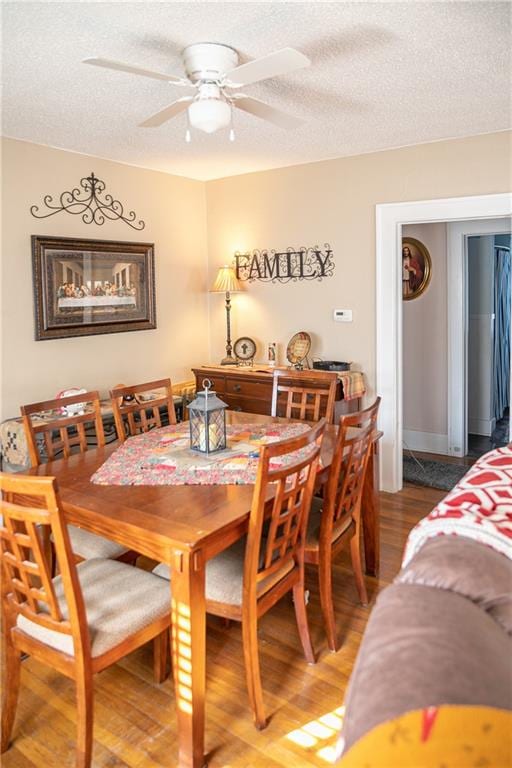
(135, 723)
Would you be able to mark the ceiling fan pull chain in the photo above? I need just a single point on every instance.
(232, 127)
(188, 132)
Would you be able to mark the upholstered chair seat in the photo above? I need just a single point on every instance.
(87, 545)
(119, 601)
(225, 575)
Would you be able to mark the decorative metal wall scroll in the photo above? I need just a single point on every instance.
(86, 202)
(285, 266)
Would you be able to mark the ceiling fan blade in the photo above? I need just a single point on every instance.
(121, 67)
(277, 63)
(266, 112)
(166, 114)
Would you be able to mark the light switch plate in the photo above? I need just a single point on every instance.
(342, 315)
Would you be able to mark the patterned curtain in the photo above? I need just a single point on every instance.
(501, 330)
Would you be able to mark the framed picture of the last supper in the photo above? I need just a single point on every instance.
(85, 287)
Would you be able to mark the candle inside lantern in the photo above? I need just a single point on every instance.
(213, 434)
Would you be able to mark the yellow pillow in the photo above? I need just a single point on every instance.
(449, 736)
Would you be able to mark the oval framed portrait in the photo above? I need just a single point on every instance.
(416, 268)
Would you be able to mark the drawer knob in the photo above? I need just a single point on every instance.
(237, 388)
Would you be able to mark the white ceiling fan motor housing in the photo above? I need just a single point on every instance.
(208, 61)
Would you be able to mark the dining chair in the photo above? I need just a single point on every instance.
(79, 622)
(335, 519)
(63, 429)
(307, 395)
(137, 408)
(248, 578)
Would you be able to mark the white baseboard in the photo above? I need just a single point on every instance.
(481, 426)
(429, 442)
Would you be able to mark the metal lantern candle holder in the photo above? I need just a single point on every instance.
(207, 415)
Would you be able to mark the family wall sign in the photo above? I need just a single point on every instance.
(285, 266)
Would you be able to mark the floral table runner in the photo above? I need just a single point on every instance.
(164, 457)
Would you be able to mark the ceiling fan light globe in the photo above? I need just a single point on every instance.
(209, 115)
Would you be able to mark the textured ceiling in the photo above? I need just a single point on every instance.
(384, 74)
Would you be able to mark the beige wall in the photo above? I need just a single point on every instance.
(334, 201)
(425, 341)
(175, 215)
(328, 202)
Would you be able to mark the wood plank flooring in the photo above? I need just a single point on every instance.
(135, 723)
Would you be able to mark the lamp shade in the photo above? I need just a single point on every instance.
(226, 281)
(209, 115)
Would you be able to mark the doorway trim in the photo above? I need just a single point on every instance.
(457, 298)
(389, 220)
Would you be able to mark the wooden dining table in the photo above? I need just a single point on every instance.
(183, 526)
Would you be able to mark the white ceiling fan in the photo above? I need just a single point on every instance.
(212, 71)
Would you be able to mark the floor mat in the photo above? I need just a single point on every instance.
(435, 474)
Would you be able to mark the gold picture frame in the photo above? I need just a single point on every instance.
(416, 268)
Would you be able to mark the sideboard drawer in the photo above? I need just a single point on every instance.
(218, 382)
(244, 388)
(247, 404)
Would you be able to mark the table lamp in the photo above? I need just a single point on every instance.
(227, 282)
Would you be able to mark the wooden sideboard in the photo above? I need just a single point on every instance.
(250, 389)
